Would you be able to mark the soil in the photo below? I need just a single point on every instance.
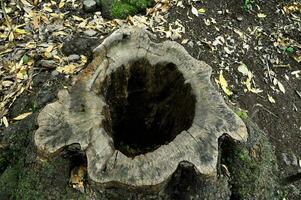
(281, 121)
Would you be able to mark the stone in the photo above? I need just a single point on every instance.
(139, 110)
(73, 57)
(47, 63)
(90, 33)
(90, 5)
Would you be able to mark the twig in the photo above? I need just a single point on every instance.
(5, 15)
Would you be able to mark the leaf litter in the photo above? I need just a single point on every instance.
(39, 31)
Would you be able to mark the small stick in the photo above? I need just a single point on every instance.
(5, 15)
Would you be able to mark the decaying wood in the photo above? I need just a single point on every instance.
(78, 116)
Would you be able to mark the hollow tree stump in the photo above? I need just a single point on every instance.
(138, 110)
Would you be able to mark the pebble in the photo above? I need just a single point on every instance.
(191, 44)
(73, 57)
(290, 160)
(239, 18)
(90, 33)
(285, 159)
(47, 63)
(55, 73)
(90, 5)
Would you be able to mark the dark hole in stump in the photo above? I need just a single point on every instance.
(148, 106)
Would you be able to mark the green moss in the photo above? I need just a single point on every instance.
(243, 114)
(252, 166)
(124, 8)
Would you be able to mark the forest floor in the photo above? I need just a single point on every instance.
(254, 49)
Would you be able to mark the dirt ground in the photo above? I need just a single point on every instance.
(255, 50)
(280, 120)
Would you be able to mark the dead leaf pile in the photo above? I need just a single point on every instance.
(39, 29)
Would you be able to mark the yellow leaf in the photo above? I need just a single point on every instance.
(22, 116)
(22, 74)
(49, 48)
(224, 84)
(59, 33)
(271, 99)
(30, 45)
(76, 18)
(68, 69)
(248, 82)
(83, 59)
(20, 31)
(47, 55)
(202, 10)
(3, 36)
(48, 9)
(62, 3)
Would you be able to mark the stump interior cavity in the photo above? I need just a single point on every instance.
(149, 106)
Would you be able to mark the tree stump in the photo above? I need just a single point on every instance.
(138, 111)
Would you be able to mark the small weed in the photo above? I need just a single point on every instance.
(247, 4)
(288, 50)
(243, 114)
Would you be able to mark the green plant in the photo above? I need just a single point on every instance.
(243, 114)
(247, 4)
(288, 50)
(124, 8)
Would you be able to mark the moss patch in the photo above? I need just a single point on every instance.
(123, 8)
(252, 166)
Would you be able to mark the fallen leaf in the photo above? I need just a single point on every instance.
(7, 83)
(68, 69)
(58, 33)
(271, 99)
(25, 59)
(261, 15)
(83, 59)
(194, 11)
(297, 57)
(281, 87)
(297, 73)
(22, 116)
(76, 18)
(292, 8)
(202, 11)
(62, 4)
(47, 8)
(223, 83)
(243, 69)
(20, 31)
(248, 82)
(5, 121)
